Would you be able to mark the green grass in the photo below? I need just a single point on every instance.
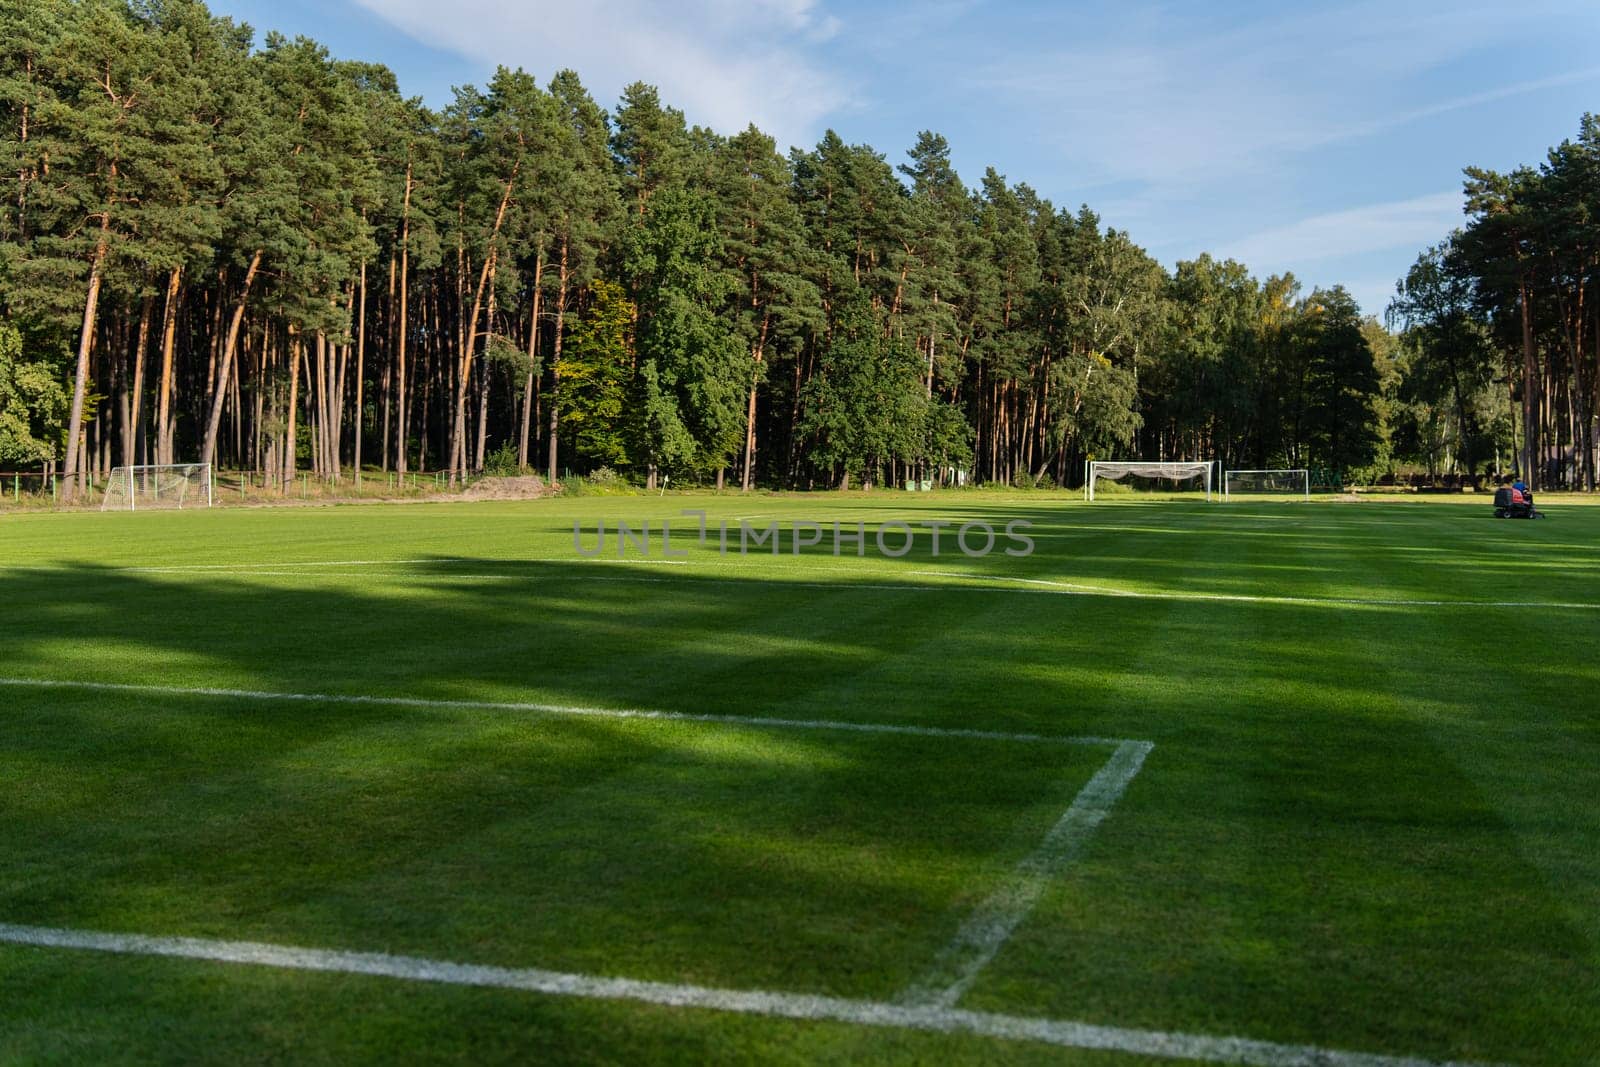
(1368, 822)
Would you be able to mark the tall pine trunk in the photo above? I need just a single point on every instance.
(80, 378)
(747, 481)
(1530, 387)
(533, 361)
(208, 449)
(402, 327)
(458, 431)
(164, 385)
(555, 359)
(131, 432)
(483, 385)
(361, 370)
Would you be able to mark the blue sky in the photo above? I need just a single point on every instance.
(1326, 139)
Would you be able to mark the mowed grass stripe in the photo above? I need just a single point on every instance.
(1366, 827)
(724, 852)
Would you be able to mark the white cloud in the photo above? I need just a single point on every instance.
(726, 63)
(1160, 95)
(1413, 224)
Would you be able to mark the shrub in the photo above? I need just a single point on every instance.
(502, 462)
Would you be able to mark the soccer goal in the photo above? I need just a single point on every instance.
(1173, 476)
(1269, 482)
(170, 485)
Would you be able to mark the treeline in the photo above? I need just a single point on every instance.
(270, 259)
(1501, 323)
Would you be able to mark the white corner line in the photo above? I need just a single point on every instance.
(904, 729)
(808, 1007)
(997, 917)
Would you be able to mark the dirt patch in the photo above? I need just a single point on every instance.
(520, 487)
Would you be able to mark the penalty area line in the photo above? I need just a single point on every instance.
(902, 729)
(997, 917)
(804, 1007)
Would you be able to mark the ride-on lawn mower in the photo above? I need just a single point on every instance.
(1512, 503)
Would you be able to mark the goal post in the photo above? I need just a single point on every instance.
(1173, 472)
(153, 486)
(1278, 482)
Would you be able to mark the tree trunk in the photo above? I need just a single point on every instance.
(747, 481)
(290, 449)
(533, 362)
(208, 449)
(130, 435)
(80, 380)
(402, 410)
(1530, 408)
(483, 387)
(555, 361)
(458, 446)
(165, 418)
(361, 370)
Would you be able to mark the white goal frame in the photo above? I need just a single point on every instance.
(1169, 469)
(1304, 473)
(186, 471)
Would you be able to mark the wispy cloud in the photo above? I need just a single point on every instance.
(1470, 100)
(1413, 223)
(725, 62)
(1164, 96)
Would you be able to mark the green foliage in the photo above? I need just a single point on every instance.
(1339, 413)
(502, 462)
(864, 405)
(692, 370)
(595, 371)
(772, 300)
(33, 403)
(602, 481)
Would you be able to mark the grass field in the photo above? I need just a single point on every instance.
(1322, 779)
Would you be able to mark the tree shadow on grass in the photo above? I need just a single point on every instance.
(686, 852)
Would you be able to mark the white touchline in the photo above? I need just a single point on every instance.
(995, 919)
(904, 729)
(1203, 1047)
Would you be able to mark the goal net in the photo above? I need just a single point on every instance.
(1168, 477)
(1270, 482)
(172, 485)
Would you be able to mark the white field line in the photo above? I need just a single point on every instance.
(253, 567)
(1075, 589)
(904, 729)
(995, 919)
(926, 1007)
(966, 581)
(1064, 1033)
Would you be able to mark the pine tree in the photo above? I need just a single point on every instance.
(772, 305)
